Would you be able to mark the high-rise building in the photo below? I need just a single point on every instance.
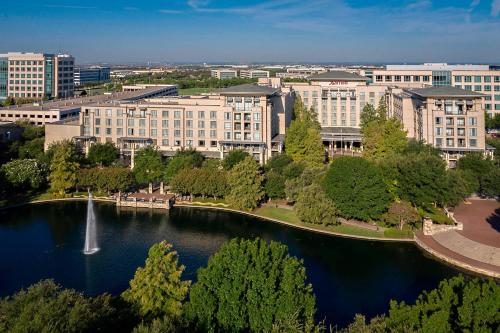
(36, 75)
(93, 74)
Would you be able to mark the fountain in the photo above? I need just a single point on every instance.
(91, 229)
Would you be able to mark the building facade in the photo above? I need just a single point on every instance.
(44, 112)
(448, 118)
(254, 74)
(223, 74)
(36, 75)
(339, 97)
(477, 78)
(94, 74)
(248, 117)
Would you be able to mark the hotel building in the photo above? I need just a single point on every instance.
(94, 74)
(249, 117)
(223, 74)
(450, 119)
(339, 97)
(477, 78)
(36, 75)
(44, 112)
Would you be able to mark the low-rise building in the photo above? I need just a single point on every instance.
(43, 112)
(93, 74)
(249, 117)
(223, 74)
(254, 73)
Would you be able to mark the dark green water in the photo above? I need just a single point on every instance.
(349, 276)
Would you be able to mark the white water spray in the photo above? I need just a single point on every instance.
(91, 229)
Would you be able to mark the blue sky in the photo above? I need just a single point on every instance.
(256, 31)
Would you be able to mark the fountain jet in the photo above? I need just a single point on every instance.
(91, 229)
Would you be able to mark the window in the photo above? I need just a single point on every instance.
(213, 124)
(461, 131)
(407, 78)
(388, 78)
(472, 131)
(497, 97)
(177, 114)
(108, 131)
(201, 133)
(201, 143)
(164, 123)
(458, 78)
(201, 114)
(213, 114)
(153, 132)
(227, 135)
(497, 107)
(97, 121)
(189, 133)
(97, 112)
(449, 142)
(227, 116)
(472, 121)
(397, 78)
(97, 131)
(213, 134)
(177, 133)
(416, 78)
(426, 78)
(473, 142)
(487, 78)
(477, 79)
(256, 117)
(142, 122)
(189, 114)
(177, 123)
(439, 120)
(439, 142)
(468, 78)
(164, 114)
(461, 121)
(378, 78)
(201, 124)
(189, 123)
(449, 121)
(227, 125)
(449, 132)
(108, 122)
(153, 123)
(164, 132)
(439, 131)
(109, 113)
(487, 88)
(119, 131)
(164, 142)
(477, 88)
(142, 132)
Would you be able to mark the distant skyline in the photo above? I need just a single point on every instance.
(315, 31)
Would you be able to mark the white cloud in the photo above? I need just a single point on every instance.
(420, 4)
(69, 7)
(169, 11)
(495, 8)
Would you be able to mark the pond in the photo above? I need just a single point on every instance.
(349, 276)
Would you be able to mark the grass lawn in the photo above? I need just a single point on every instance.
(289, 216)
(195, 91)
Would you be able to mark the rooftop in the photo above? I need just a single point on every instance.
(76, 102)
(248, 89)
(437, 67)
(338, 75)
(444, 91)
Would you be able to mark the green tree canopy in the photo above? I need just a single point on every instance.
(245, 184)
(63, 167)
(278, 162)
(103, 154)
(400, 214)
(274, 185)
(313, 206)
(233, 157)
(110, 179)
(382, 136)
(303, 143)
(248, 286)
(25, 174)
(32, 149)
(148, 166)
(187, 158)
(45, 307)
(357, 188)
(157, 289)
(309, 176)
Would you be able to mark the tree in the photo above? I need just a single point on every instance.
(313, 206)
(422, 180)
(188, 158)
(30, 131)
(157, 289)
(63, 168)
(25, 174)
(46, 307)
(233, 157)
(274, 185)
(457, 305)
(382, 136)
(490, 183)
(278, 162)
(148, 166)
(245, 185)
(420, 147)
(357, 188)
(249, 285)
(103, 154)
(32, 149)
(400, 214)
(303, 143)
(308, 177)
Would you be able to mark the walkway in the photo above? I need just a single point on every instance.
(477, 247)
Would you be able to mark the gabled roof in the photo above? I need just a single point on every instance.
(338, 75)
(444, 91)
(248, 89)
